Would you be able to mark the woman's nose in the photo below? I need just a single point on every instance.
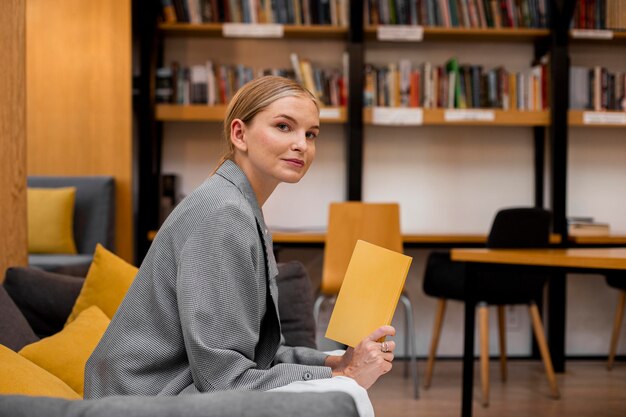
(299, 143)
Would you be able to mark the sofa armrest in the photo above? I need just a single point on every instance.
(218, 404)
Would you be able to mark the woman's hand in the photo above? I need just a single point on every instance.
(368, 360)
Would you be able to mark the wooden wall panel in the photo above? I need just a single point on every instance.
(79, 96)
(13, 246)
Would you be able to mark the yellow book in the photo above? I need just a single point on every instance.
(369, 293)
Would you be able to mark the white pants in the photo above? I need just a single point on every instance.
(337, 383)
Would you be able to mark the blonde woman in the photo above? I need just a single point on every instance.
(202, 315)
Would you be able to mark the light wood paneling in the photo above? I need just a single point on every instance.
(79, 96)
(13, 247)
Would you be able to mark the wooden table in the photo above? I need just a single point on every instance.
(317, 239)
(556, 261)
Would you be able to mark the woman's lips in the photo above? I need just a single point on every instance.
(295, 162)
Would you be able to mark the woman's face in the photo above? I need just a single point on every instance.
(280, 141)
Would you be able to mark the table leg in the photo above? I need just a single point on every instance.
(468, 348)
(557, 292)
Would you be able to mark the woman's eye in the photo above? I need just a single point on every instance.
(283, 126)
(311, 135)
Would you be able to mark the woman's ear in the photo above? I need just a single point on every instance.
(237, 135)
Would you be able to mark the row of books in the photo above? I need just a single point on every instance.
(404, 84)
(600, 14)
(295, 12)
(597, 89)
(459, 13)
(587, 226)
(213, 84)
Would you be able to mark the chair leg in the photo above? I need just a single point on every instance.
(434, 342)
(412, 345)
(543, 348)
(407, 331)
(617, 325)
(317, 306)
(502, 339)
(483, 314)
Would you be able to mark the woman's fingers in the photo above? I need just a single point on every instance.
(387, 346)
(381, 332)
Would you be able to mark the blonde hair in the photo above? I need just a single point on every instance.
(255, 97)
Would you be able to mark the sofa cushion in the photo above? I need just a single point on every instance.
(15, 332)
(106, 284)
(51, 220)
(295, 305)
(94, 211)
(65, 353)
(45, 298)
(218, 404)
(18, 375)
(75, 265)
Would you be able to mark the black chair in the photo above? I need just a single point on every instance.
(616, 280)
(444, 279)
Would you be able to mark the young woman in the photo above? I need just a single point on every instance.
(202, 313)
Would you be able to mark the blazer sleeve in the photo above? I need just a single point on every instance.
(221, 299)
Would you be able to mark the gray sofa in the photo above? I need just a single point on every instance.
(94, 221)
(36, 303)
(220, 404)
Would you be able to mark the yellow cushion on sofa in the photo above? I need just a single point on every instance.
(51, 220)
(106, 284)
(18, 375)
(65, 353)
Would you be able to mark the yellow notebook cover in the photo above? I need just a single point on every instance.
(369, 293)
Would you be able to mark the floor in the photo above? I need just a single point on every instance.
(587, 390)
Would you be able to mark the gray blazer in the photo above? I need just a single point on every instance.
(202, 313)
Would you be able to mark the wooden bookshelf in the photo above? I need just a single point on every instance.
(618, 37)
(436, 117)
(290, 31)
(598, 240)
(576, 118)
(433, 33)
(202, 113)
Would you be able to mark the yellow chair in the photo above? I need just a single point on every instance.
(378, 224)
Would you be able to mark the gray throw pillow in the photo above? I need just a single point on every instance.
(295, 305)
(15, 332)
(44, 298)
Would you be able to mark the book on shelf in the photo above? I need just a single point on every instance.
(369, 293)
(168, 12)
(212, 83)
(459, 13)
(600, 15)
(597, 89)
(291, 12)
(586, 226)
(455, 86)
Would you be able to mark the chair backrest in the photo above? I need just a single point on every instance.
(376, 223)
(94, 210)
(522, 227)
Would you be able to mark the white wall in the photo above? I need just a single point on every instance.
(447, 179)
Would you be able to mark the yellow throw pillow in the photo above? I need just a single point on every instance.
(51, 220)
(65, 353)
(106, 284)
(20, 376)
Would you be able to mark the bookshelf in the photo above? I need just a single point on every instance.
(437, 117)
(289, 31)
(595, 137)
(203, 113)
(433, 33)
(549, 127)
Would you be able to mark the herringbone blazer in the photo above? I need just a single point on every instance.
(202, 313)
